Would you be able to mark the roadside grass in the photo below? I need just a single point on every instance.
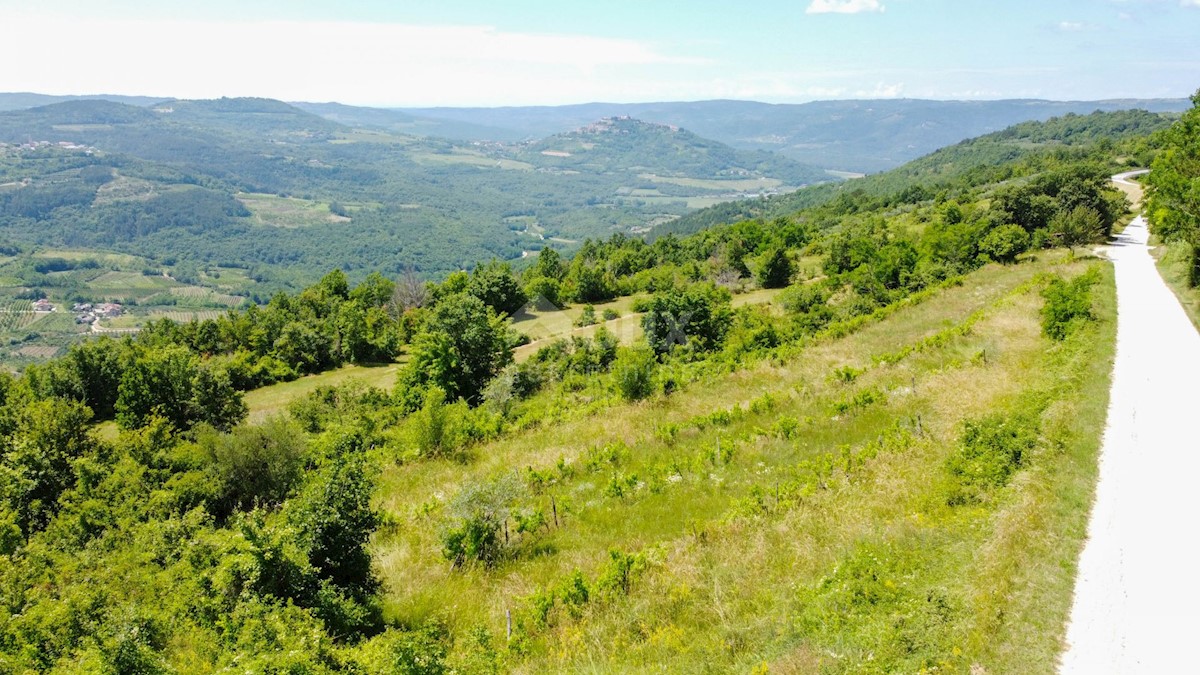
(748, 532)
(1172, 261)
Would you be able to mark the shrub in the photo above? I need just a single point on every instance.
(776, 269)
(990, 452)
(803, 298)
(587, 318)
(477, 515)
(1068, 305)
(633, 371)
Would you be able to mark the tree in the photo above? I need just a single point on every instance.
(1173, 197)
(463, 345)
(496, 286)
(1081, 225)
(776, 269)
(1005, 243)
(254, 465)
(698, 316)
(335, 520)
(170, 382)
(51, 434)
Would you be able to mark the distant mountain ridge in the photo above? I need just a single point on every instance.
(865, 136)
(851, 135)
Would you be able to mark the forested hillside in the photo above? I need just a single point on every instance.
(1005, 155)
(213, 182)
(876, 466)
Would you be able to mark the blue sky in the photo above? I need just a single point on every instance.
(529, 52)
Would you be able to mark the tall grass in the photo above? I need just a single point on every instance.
(788, 514)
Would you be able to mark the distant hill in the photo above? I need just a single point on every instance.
(401, 122)
(862, 136)
(266, 186)
(22, 100)
(625, 144)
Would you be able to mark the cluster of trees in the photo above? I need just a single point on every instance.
(1173, 199)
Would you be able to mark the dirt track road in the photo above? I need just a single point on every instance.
(1137, 595)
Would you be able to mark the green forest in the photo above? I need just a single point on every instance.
(803, 437)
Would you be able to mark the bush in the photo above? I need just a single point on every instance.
(1068, 305)
(803, 298)
(477, 515)
(633, 372)
(1005, 243)
(697, 317)
(989, 453)
(587, 318)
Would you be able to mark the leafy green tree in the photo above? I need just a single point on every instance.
(697, 317)
(776, 269)
(1079, 226)
(253, 465)
(157, 382)
(51, 435)
(464, 344)
(549, 265)
(1173, 197)
(214, 401)
(374, 291)
(496, 286)
(1005, 243)
(169, 382)
(591, 283)
(335, 521)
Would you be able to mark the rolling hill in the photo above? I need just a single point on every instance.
(859, 135)
(285, 194)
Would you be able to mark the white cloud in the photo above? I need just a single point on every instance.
(1189, 3)
(854, 6)
(318, 60)
(1071, 26)
(882, 90)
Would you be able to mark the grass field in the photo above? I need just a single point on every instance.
(459, 156)
(824, 544)
(733, 184)
(130, 280)
(268, 209)
(273, 400)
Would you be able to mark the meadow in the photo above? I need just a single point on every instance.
(796, 515)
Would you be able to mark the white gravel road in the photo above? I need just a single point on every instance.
(1137, 596)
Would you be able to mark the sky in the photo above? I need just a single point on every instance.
(409, 53)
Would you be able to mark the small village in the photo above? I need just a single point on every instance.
(87, 313)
